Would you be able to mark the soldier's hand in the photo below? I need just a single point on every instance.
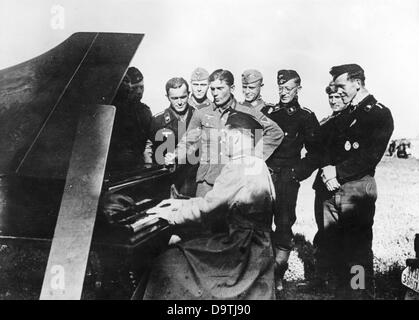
(169, 210)
(176, 211)
(328, 173)
(169, 158)
(332, 184)
(115, 203)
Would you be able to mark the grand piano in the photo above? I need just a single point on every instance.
(56, 119)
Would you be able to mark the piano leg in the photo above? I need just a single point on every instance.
(142, 284)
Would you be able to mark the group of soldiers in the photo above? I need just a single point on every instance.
(344, 148)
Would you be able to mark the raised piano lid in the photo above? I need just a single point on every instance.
(40, 104)
(40, 99)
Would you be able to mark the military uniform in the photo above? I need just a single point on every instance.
(252, 76)
(131, 130)
(192, 102)
(260, 104)
(355, 141)
(205, 127)
(173, 126)
(301, 129)
(199, 74)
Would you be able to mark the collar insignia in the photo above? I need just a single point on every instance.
(167, 117)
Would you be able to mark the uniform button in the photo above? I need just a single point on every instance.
(286, 133)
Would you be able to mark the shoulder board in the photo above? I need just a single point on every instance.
(268, 105)
(144, 105)
(272, 108)
(158, 114)
(265, 109)
(380, 105)
(324, 120)
(306, 109)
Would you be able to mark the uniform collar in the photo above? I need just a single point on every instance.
(174, 115)
(193, 103)
(293, 104)
(259, 104)
(368, 100)
(231, 104)
(291, 107)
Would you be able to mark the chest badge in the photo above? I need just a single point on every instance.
(355, 145)
(348, 146)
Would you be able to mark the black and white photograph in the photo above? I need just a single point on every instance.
(223, 150)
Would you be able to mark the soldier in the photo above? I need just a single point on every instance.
(239, 263)
(199, 85)
(131, 128)
(252, 83)
(301, 129)
(346, 194)
(325, 277)
(206, 126)
(169, 126)
(392, 148)
(402, 149)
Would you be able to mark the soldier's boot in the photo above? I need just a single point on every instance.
(281, 266)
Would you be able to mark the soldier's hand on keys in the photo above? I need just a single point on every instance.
(169, 158)
(114, 203)
(332, 184)
(170, 210)
(177, 211)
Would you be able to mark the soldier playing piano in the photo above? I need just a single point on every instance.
(237, 264)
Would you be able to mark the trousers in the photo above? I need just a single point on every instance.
(343, 242)
(286, 191)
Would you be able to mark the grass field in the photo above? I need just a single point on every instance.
(396, 222)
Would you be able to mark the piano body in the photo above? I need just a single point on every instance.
(55, 125)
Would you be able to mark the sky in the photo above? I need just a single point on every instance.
(309, 36)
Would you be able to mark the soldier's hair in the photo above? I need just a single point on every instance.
(222, 75)
(175, 83)
(354, 72)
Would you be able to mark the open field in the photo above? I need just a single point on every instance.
(396, 222)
